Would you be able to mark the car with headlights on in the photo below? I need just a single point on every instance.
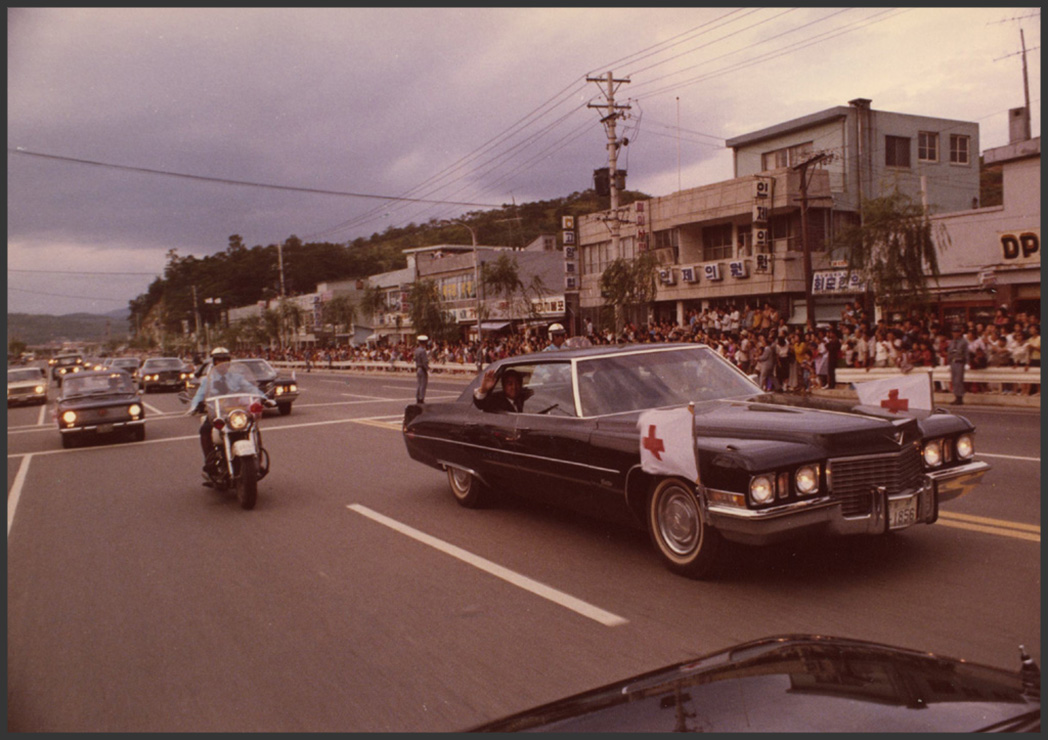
(281, 389)
(129, 365)
(169, 373)
(26, 385)
(99, 402)
(692, 449)
(66, 364)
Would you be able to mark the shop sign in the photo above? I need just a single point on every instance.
(737, 269)
(827, 282)
(1021, 247)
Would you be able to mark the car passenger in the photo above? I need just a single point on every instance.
(512, 397)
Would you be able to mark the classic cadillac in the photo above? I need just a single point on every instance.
(759, 467)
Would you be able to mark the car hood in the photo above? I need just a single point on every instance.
(801, 683)
(98, 400)
(26, 383)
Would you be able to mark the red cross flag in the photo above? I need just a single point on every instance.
(667, 443)
(903, 393)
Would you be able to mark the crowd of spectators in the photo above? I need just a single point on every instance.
(758, 340)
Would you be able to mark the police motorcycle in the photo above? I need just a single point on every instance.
(237, 461)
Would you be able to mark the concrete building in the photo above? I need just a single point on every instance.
(740, 241)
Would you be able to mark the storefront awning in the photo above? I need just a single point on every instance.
(494, 325)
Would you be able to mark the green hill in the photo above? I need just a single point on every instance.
(37, 330)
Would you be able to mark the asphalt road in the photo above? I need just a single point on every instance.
(358, 597)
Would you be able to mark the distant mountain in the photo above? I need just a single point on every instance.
(42, 329)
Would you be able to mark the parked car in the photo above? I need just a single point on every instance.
(129, 365)
(26, 385)
(162, 372)
(802, 683)
(65, 364)
(99, 402)
(769, 466)
(277, 387)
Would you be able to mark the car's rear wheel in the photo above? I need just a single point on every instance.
(467, 489)
(687, 545)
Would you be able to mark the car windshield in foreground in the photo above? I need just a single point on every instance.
(254, 369)
(80, 385)
(656, 378)
(31, 374)
(163, 364)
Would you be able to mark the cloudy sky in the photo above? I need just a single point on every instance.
(133, 132)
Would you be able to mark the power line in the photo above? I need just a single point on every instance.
(81, 272)
(148, 171)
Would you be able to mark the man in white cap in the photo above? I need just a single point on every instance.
(556, 335)
(421, 368)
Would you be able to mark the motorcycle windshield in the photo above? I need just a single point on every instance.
(222, 406)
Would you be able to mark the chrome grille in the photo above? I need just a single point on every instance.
(852, 478)
(103, 415)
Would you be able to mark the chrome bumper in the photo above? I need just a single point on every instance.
(108, 426)
(824, 514)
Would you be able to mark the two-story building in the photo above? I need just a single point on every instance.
(740, 241)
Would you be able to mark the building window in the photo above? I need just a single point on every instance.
(897, 151)
(959, 147)
(667, 239)
(928, 146)
(786, 157)
(717, 242)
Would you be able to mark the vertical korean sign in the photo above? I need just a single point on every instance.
(571, 265)
(761, 213)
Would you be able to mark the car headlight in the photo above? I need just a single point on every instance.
(965, 447)
(69, 417)
(279, 390)
(38, 389)
(238, 419)
(134, 409)
(933, 453)
(807, 479)
(762, 489)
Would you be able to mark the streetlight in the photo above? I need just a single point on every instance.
(476, 289)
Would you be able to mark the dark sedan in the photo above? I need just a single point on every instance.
(281, 389)
(802, 683)
(99, 402)
(162, 372)
(66, 364)
(679, 437)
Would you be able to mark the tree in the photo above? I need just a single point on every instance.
(427, 313)
(894, 249)
(627, 284)
(340, 311)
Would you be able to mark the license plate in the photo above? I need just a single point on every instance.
(902, 513)
(104, 428)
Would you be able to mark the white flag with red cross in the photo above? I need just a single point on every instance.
(898, 394)
(667, 443)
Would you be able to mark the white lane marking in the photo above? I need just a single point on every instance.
(153, 408)
(1009, 457)
(16, 491)
(43, 415)
(539, 589)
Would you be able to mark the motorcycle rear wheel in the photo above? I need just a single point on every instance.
(247, 482)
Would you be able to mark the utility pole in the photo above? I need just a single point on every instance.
(612, 113)
(1026, 86)
(280, 260)
(803, 169)
(196, 317)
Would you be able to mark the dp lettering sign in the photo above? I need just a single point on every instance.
(1021, 247)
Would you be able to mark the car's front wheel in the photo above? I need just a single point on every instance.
(284, 408)
(467, 489)
(687, 545)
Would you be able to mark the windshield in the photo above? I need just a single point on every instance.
(254, 369)
(645, 380)
(28, 374)
(168, 363)
(77, 385)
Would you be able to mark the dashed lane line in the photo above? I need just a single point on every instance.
(520, 581)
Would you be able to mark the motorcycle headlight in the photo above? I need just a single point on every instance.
(69, 417)
(807, 479)
(933, 453)
(762, 489)
(238, 419)
(965, 447)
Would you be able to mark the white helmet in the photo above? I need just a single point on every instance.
(423, 338)
(221, 354)
(556, 329)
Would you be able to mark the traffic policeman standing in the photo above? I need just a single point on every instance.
(421, 368)
(957, 356)
(556, 335)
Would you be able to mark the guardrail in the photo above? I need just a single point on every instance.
(941, 374)
(378, 366)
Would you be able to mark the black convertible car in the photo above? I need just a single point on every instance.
(802, 683)
(759, 467)
(98, 402)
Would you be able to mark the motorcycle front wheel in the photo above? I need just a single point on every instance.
(247, 482)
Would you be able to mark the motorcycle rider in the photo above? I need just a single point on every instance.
(218, 381)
